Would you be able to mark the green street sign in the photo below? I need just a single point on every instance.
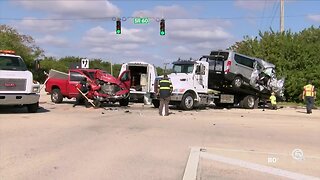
(141, 20)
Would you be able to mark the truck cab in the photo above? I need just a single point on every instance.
(189, 79)
(17, 86)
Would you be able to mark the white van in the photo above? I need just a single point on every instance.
(142, 80)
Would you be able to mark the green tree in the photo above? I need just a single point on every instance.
(23, 45)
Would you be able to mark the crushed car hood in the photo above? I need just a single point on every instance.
(107, 78)
(264, 78)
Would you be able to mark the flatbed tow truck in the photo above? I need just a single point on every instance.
(192, 88)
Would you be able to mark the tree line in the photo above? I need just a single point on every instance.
(295, 54)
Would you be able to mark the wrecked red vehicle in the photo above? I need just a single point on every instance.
(103, 87)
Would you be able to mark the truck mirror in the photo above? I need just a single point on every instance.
(202, 69)
(36, 65)
(198, 69)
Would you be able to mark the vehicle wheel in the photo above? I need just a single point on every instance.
(32, 108)
(124, 102)
(156, 103)
(187, 102)
(237, 82)
(248, 102)
(56, 96)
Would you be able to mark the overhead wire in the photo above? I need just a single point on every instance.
(168, 18)
(264, 8)
(274, 13)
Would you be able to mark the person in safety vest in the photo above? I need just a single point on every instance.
(273, 100)
(165, 89)
(309, 95)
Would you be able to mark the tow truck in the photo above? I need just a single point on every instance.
(17, 86)
(190, 80)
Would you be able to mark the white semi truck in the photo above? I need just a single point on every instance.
(190, 81)
(17, 86)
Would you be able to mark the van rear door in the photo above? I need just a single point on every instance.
(217, 66)
(217, 60)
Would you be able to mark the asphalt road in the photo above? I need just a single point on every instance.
(61, 142)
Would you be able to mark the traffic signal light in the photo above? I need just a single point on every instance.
(162, 27)
(118, 27)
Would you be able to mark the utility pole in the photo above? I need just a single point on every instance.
(111, 68)
(165, 67)
(281, 16)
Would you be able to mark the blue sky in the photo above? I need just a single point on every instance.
(85, 27)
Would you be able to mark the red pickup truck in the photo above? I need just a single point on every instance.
(103, 86)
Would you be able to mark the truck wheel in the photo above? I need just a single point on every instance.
(32, 108)
(156, 103)
(187, 102)
(248, 102)
(124, 102)
(237, 82)
(56, 96)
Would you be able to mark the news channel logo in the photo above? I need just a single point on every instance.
(297, 154)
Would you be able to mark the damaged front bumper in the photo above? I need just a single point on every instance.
(109, 98)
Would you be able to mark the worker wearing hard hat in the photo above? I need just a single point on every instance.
(309, 95)
(165, 89)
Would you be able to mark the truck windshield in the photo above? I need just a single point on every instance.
(183, 68)
(12, 63)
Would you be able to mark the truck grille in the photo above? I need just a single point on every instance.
(12, 84)
(110, 88)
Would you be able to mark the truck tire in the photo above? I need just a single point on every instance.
(56, 96)
(248, 102)
(187, 102)
(32, 108)
(124, 102)
(237, 82)
(156, 103)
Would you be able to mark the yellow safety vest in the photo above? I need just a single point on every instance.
(165, 84)
(309, 90)
(273, 100)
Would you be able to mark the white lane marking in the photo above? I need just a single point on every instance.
(259, 152)
(258, 167)
(190, 172)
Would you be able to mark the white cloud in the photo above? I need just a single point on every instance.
(99, 40)
(180, 49)
(173, 11)
(253, 4)
(314, 17)
(187, 37)
(70, 8)
(52, 41)
(44, 26)
(199, 35)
